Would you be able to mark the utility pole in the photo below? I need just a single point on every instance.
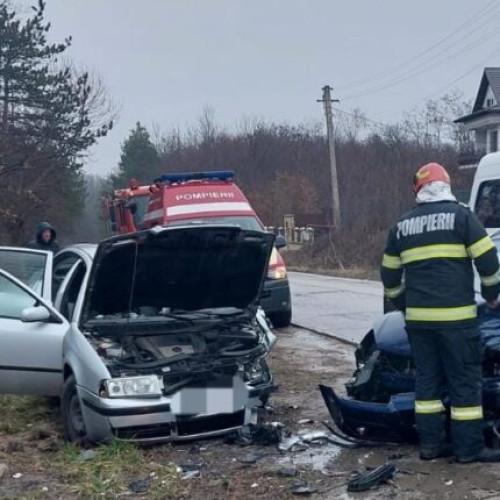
(327, 104)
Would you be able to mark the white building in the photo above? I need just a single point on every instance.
(484, 120)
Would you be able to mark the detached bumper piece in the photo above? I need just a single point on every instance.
(371, 479)
(387, 422)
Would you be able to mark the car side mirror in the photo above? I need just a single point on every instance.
(280, 242)
(35, 314)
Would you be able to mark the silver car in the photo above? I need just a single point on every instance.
(150, 337)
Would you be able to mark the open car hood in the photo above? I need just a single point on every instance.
(180, 268)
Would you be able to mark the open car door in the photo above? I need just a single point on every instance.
(31, 338)
(32, 267)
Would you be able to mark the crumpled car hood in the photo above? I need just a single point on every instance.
(181, 268)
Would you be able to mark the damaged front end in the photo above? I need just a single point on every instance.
(183, 339)
(380, 403)
(181, 356)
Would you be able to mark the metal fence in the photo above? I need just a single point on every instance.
(295, 235)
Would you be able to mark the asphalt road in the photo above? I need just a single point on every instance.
(342, 308)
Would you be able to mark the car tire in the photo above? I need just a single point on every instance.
(281, 319)
(73, 422)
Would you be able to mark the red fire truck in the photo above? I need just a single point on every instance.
(197, 198)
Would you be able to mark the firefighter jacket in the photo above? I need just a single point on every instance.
(427, 265)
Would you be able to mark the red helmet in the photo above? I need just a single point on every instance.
(429, 173)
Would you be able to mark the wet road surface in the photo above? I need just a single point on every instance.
(343, 308)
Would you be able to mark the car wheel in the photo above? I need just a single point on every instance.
(73, 422)
(281, 319)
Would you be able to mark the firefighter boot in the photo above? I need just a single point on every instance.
(485, 455)
(432, 436)
(446, 450)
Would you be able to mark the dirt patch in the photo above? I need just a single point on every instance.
(39, 465)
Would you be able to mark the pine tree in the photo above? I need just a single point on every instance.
(49, 116)
(138, 160)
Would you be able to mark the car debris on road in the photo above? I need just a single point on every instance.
(371, 479)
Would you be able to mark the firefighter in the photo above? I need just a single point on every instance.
(427, 273)
(45, 238)
(157, 185)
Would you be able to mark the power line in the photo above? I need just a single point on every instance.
(490, 7)
(421, 69)
(483, 61)
(362, 117)
(430, 64)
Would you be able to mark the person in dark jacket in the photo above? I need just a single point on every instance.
(45, 238)
(427, 273)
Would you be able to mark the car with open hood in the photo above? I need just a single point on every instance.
(150, 337)
(380, 394)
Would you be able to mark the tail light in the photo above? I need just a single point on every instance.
(277, 268)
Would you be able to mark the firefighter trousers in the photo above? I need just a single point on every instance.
(448, 365)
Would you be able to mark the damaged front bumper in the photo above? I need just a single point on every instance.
(190, 413)
(394, 420)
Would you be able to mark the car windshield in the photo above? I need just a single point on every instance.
(28, 267)
(247, 223)
(488, 203)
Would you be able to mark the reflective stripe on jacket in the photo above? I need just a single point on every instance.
(427, 265)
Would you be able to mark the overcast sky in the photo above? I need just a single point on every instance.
(164, 60)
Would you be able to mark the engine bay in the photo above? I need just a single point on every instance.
(183, 354)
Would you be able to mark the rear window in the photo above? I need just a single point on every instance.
(487, 206)
(247, 223)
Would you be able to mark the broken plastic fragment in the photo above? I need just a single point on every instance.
(190, 474)
(264, 434)
(303, 488)
(287, 472)
(314, 436)
(287, 444)
(277, 425)
(249, 459)
(139, 486)
(305, 421)
(371, 479)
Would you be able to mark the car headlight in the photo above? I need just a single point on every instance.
(147, 386)
(277, 273)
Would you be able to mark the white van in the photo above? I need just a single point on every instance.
(485, 194)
